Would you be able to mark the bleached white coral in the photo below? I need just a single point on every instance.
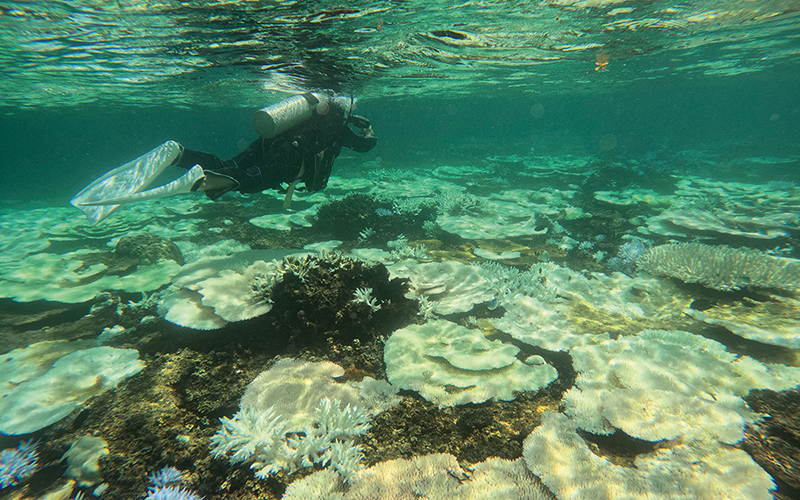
(271, 443)
(377, 395)
(506, 282)
(430, 476)
(364, 296)
(433, 477)
(44, 382)
(402, 250)
(454, 286)
(345, 457)
(208, 295)
(331, 418)
(248, 434)
(703, 470)
(64, 278)
(426, 308)
(771, 321)
(301, 266)
(668, 384)
(583, 307)
(296, 415)
(449, 365)
(295, 387)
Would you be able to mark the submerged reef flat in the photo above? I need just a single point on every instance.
(521, 327)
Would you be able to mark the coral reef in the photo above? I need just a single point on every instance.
(770, 319)
(437, 477)
(663, 385)
(452, 286)
(474, 350)
(559, 309)
(45, 382)
(171, 493)
(363, 212)
(295, 415)
(83, 460)
(317, 301)
(714, 209)
(293, 388)
(65, 278)
(271, 442)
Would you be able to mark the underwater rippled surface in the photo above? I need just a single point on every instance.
(559, 100)
(227, 53)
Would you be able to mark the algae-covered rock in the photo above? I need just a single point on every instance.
(774, 442)
(148, 248)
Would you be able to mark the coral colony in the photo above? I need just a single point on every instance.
(17, 464)
(163, 487)
(266, 441)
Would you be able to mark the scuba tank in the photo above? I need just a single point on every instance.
(281, 116)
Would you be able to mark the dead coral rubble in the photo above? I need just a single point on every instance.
(320, 300)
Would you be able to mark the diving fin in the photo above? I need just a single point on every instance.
(186, 183)
(97, 199)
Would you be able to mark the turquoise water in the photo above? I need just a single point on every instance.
(537, 138)
(105, 77)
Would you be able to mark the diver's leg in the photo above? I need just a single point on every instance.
(220, 176)
(215, 185)
(242, 173)
(189, 158)
(263, 165)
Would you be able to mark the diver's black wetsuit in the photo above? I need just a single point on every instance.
(310, 148)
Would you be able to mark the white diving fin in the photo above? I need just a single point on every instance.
(103, 196)
(182, 184)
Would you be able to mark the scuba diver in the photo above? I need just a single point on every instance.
(300, 137)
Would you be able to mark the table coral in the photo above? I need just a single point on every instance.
(772, 320)
(721, 267)
(454, 287)
(712, 209)
(450, 365)
(36, 396)
(665, 384)
(296, 415)
(700, 470)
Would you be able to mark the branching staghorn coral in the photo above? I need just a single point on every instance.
(721, 267)
(364, 296)
(270, 443)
